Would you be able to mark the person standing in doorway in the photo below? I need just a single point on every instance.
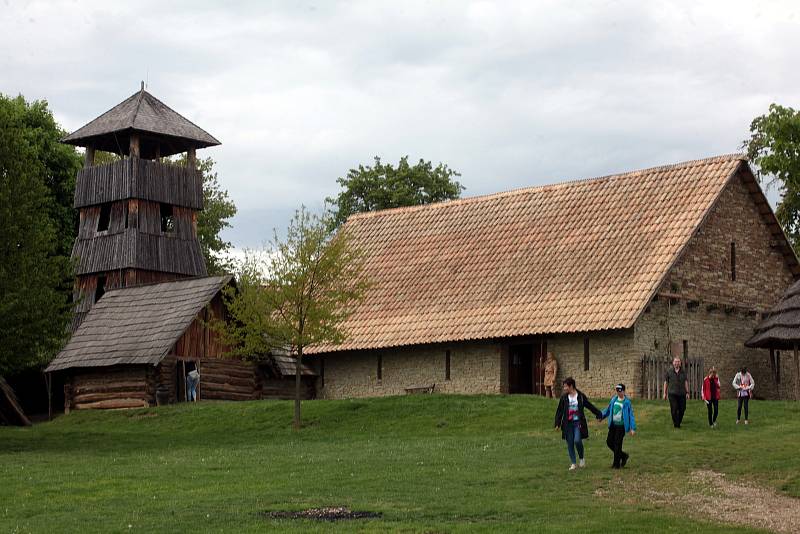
(743, 383)
(192, 380)
(620, 421)
(550, 372)
(711, 396)
(676, 388)
(571, 420)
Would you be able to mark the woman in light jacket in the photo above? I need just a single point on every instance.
(743, 383)
(711, 395)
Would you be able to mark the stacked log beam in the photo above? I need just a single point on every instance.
(227, 380)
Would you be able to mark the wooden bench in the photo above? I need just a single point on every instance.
(411, 390)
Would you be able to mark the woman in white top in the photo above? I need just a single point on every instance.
(743, 383)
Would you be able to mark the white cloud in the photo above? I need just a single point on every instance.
(510, 93)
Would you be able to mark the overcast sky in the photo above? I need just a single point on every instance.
(510, 94)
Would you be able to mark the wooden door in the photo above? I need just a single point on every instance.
(520, 369)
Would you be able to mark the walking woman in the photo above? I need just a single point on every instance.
(711, 396)
(743, 383)
(620, 421)
(572, 421)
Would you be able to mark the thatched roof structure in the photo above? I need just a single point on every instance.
(781, 327)
(143, 113)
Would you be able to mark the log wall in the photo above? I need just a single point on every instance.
(110, 388)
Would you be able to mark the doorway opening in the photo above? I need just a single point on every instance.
(526, 368)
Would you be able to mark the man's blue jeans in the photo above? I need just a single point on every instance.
(574, 441)
(191, 392)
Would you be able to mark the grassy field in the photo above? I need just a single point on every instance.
(426, 463)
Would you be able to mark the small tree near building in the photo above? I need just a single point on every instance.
(296, 293)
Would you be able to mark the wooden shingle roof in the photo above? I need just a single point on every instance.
(141, 112)
(138, 324)
(571, 257)
(781, 328)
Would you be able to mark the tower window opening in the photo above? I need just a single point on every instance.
(105, 218)
(167, 219)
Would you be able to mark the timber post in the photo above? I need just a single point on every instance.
(796, 372)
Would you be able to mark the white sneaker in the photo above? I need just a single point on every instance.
(573, 467)
(582, 463)
(746, 422)
(737, 421)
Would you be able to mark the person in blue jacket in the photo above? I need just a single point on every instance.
(620, 421)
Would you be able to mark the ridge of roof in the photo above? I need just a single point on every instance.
(221, 277)
(128, 121)
(564, 183)
(145, 92)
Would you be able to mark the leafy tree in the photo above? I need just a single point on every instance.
(294, 294)
(384, 186)
(36, 234)
(774, 148)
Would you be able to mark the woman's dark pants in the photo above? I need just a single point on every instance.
(713, 406)
(614, 441)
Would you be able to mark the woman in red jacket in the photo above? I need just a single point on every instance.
(711, 395)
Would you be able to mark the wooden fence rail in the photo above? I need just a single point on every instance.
(654, 368)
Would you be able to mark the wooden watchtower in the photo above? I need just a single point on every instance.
(138, 215)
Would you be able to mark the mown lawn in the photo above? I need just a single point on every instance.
(426, 463)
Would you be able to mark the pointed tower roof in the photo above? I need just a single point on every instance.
(143, 113)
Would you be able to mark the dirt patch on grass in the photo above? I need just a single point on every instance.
(322, 514)
(711, 496)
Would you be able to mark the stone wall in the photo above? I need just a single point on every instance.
(717, 336)
(611, 360)
(713, 312)
(474, 368)
(703, 272)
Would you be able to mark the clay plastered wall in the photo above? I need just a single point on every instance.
(716, 336)
(474, 368)
(611, 360)
(703, 271)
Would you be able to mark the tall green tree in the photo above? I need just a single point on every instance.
(295, 293)
(35, 234)
(384, 186)
(774, 149)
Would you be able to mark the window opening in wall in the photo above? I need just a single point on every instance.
(380, 367)
(322, 372)
(586, 354)
(777, 367)
(105, 218)
(733, 261)
(167, 218)
(100, 290)
(685, 350)
(447, 365)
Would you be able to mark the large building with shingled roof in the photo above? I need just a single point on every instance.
(608, 274)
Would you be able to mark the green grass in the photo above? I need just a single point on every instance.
(427, 463)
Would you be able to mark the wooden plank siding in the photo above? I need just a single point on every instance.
(132, 249)
(139, 178)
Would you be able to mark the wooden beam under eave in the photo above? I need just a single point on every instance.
(134, 145)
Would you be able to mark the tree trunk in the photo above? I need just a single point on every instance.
(297, 376)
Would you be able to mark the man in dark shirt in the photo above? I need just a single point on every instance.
(676, 386)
